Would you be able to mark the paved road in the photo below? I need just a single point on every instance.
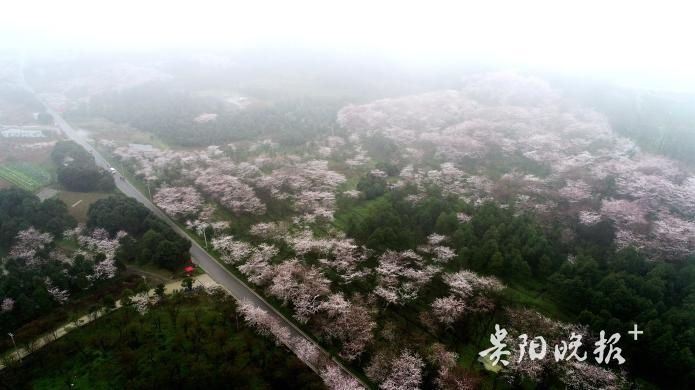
(217, 272)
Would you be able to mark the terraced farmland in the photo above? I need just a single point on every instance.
(25, 175)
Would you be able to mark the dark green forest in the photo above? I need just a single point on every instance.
(20, 209)
(168, 112)
(77, 170)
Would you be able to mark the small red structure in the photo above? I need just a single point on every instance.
(189, 269)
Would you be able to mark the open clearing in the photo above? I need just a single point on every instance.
(25, 175)
(78, 202)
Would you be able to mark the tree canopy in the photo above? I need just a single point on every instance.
(77, 170)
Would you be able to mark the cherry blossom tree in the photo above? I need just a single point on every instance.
(232, 251)
(336, 379)
(435, 239)
(463, 217)
(179, 202)
(526, 321)
(301, 285)
(305, 242)
(466, 283)
(589, 218)
(257, 268)
(379, 366)
(103, 270)
(443, 254)
(449, 309)
(27, 243)
(267, 324)
(484, 122)
(100, 242)
(673, 235)
(405, 372)
(469, 293)
(449, 375)
(58, 295)
(268, 230)
(345, 260)
(456, 378)
(231, 192)
(580, 375)
(625, 212)
(7, 305)
(307, 351)
(401, 275)
(351, 324)
(143, 301)
(352, 194)
(576, 191)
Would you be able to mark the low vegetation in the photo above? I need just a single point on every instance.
(188, 340)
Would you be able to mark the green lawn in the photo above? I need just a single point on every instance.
(78, 202)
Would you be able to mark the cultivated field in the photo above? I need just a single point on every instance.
(25, 175)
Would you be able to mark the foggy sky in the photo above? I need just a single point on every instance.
(647, 42)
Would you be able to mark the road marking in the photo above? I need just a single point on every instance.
(76, 203)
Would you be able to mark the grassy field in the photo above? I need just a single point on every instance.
(78, 202)
(25, 175)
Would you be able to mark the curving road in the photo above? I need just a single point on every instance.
(237, 288)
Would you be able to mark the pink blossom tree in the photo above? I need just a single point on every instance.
(58, 295)
(336, 379)
(27, 243)
(449, 309)
(7, 305)
(350, 324)
(179, 202)
(300, 285)
(257, 268)
(405, 372)
(231, 192)
(401, 275)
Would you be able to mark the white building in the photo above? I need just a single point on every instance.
(19, 133)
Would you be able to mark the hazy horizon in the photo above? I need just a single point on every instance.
(640, 45)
